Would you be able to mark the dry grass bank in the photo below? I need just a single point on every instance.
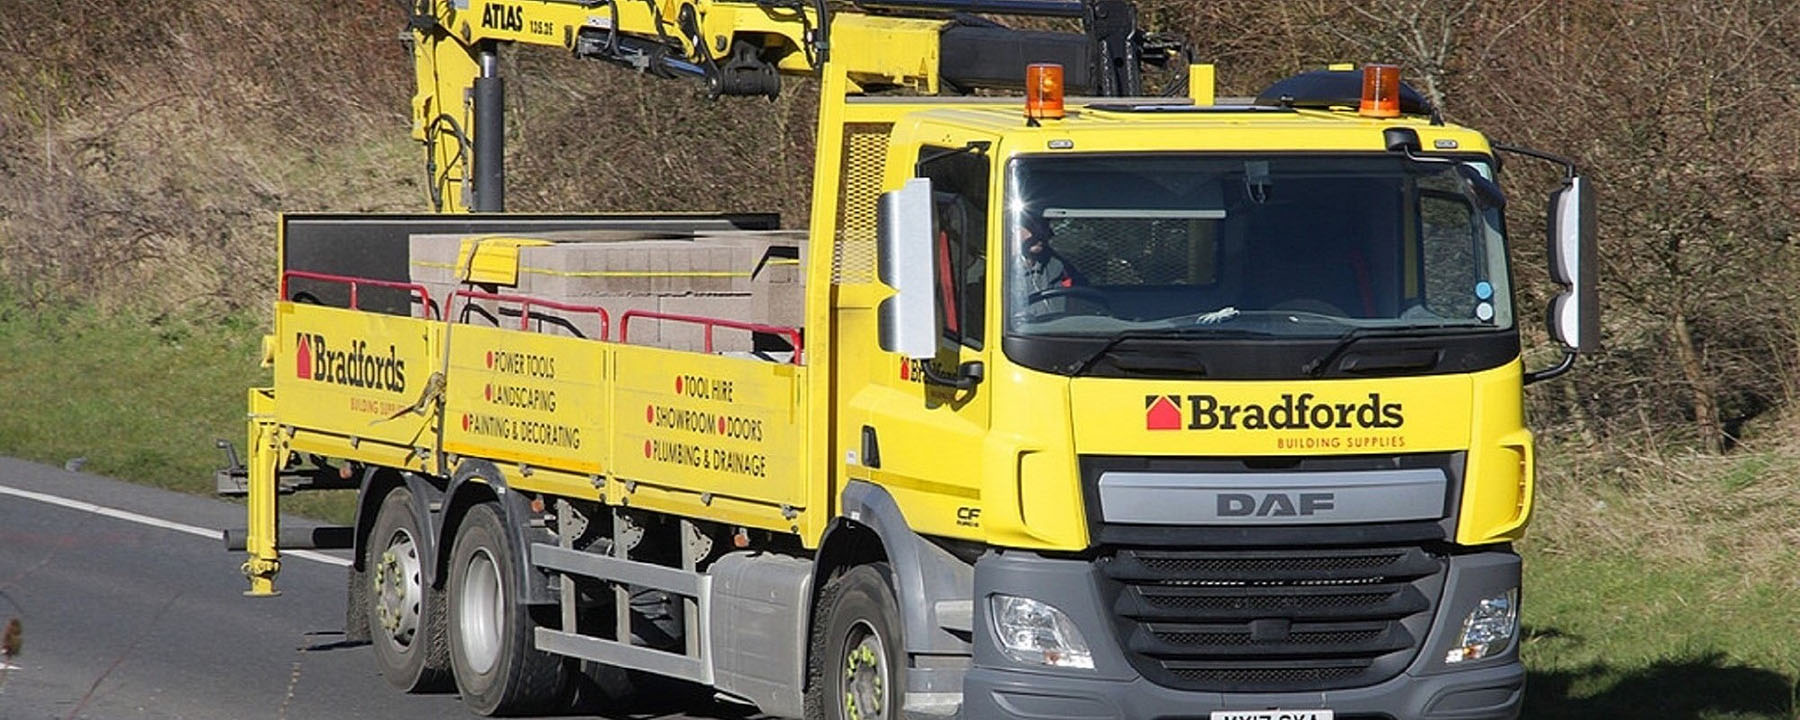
(148, 145)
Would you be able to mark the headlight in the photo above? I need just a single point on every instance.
(1489, 629)
(1035, 633)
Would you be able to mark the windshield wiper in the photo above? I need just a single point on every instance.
(1318, 365)
(1112, 343)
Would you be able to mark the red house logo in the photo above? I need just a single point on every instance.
(1161, 412)
(303, 359)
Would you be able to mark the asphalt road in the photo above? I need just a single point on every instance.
(126, 620)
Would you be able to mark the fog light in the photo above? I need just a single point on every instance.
(1489, 629)
(1035, 633)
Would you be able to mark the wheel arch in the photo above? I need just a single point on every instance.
(377, 482)
(871, 528)
(480, 481)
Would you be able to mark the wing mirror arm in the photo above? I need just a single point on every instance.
(1567, 363)
(1574, 314)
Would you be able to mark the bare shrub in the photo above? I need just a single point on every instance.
(150, 172)
(1685, 115)
(593, 137)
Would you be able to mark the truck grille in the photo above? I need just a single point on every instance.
(1272, 620)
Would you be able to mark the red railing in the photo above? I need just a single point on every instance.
(791, 333)
(525, 304)
(353, 282)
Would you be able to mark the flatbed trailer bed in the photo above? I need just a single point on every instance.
(358, 351)
(596, 419)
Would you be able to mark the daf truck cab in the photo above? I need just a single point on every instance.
(1250, 376)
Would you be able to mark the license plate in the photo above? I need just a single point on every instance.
(1271, 715)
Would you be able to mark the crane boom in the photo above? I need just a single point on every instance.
(743, 49)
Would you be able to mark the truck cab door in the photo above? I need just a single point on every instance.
(927, 420)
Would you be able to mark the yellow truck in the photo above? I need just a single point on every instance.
(1088, 407)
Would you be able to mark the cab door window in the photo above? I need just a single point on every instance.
(959, 182)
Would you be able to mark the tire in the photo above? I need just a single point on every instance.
(600, 689)
(498, 669)
(858, 659)
(356, 607)
(404, 616)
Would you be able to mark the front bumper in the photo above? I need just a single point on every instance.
(996, 687)
(1493, 692)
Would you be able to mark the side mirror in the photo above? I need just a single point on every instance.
(904, 231)
(1574, 313)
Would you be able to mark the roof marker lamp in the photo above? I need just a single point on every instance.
(1043, 91)
(1380, 91)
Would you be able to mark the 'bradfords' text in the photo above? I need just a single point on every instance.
(355, 367)
(1294, 412)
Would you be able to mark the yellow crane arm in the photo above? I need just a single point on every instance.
(737, 48)
(740, 48)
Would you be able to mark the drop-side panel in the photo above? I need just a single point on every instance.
(722, 426)
(354, 374)
(527, 398)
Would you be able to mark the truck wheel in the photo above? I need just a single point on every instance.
(499, 671)
(356, 607)
(858, 663)
(405, 617)
(601, 689)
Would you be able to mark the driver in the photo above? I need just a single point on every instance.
(1041, 268)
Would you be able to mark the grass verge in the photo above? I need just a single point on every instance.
(134, 396)
(1663, 587)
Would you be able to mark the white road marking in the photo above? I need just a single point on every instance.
(129, 516)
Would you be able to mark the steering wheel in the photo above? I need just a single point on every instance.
(1083, 293)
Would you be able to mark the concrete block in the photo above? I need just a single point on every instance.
(708, 262)
(549, 271)
(718, 269)
(772, 253)
(602, 236)
(677, 335)
(659, 268)
(755, 277)
(439, 292)
(780, 304)
(432, 258)
(643, 331)
(773, 268)
(475, 311)
(651, 267)
(564, 323)
(636, 266)
(431, 261)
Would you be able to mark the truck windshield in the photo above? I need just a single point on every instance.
(1281, 246)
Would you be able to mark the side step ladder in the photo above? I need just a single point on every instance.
(693, 587)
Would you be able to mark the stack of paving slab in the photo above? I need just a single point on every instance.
(744, 276)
